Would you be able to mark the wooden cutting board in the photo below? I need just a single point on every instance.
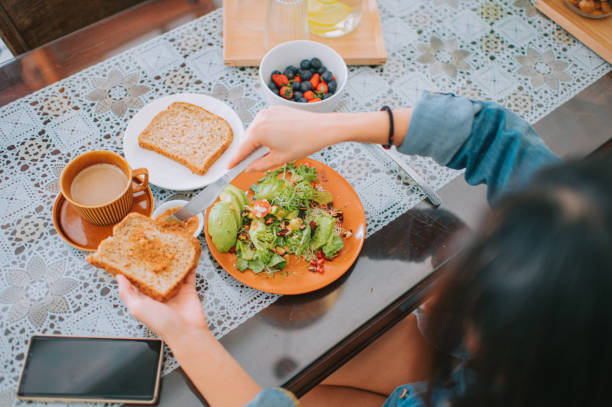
(594, 33)
(243, 36)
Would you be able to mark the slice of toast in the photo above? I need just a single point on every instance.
(154, 260)
(189, 135)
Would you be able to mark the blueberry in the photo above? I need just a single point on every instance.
(297, 95)
(328, 96)
(272, 86)
(327, 76)
(322, 70)
(292, 68)
(315, 63)
(305, 64)
(276, 91)
(289, 74)
(302, 100)
(331, 86)
(296, 86)
(305, 86)
(305, 74)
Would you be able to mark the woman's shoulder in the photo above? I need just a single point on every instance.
(274, 397)
(414, 394)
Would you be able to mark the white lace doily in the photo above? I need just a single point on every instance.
(499, 50)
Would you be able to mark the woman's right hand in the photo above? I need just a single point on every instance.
(289, 133)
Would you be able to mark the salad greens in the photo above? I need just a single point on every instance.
(290, 214)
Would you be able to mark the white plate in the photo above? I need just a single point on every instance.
(164, 172)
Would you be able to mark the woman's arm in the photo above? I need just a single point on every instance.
(181, 323)
(495, 146)
(292, 134)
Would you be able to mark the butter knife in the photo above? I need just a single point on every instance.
(420, 182)
(206, 197)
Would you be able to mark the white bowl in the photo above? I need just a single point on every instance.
(291, 53)
(179, 203)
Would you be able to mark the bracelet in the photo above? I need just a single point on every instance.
(391, 127)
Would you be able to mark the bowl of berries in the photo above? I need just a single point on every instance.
(303, 74)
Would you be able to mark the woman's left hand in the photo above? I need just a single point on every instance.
(180, 313)
(181, 323)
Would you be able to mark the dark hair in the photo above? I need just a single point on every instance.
(534, 291)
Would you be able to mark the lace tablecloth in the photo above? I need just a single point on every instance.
(500, 50)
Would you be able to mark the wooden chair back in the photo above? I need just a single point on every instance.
(28, 24)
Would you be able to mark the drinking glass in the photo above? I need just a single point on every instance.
(287, 20)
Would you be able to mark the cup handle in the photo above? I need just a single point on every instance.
(141, 184)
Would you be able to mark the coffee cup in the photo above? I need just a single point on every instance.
(100, 185)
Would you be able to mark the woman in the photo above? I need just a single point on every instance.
(529, 302)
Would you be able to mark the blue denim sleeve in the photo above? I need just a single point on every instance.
(277, 397)
(494, 145)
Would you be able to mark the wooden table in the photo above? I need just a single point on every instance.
(327, 327)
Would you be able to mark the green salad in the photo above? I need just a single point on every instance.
(290, 214)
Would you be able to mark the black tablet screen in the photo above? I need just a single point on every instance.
(92, 368)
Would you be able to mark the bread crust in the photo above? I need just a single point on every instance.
(142, 286)
(142, 142)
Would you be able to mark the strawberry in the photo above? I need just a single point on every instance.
(280, 80)
(286, 92)
(314, 100)
(322, 88)
(309, 95)
(297, 78)
(315, 80)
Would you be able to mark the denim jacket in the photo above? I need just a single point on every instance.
(495, 147)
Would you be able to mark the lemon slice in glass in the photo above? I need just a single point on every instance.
(314, 6)
(328, 13)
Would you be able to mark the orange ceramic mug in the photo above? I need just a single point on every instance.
(117, 207)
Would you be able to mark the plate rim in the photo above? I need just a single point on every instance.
(350, 262)
(187, 98)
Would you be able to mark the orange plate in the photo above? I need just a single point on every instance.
(79, 233)
(299, 280)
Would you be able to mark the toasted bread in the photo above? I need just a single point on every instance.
(189, 135)
(154, 260)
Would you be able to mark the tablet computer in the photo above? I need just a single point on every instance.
(91, 369)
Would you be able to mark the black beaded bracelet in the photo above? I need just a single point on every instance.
(391, 127)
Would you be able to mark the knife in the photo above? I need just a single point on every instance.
(420, 182)
(203, 200)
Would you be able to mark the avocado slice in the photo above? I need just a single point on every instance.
(234, 205)
(241, 196)
(222, 226)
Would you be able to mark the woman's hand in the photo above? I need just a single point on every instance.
(291, 134)
(180, 313)
(182, 325)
